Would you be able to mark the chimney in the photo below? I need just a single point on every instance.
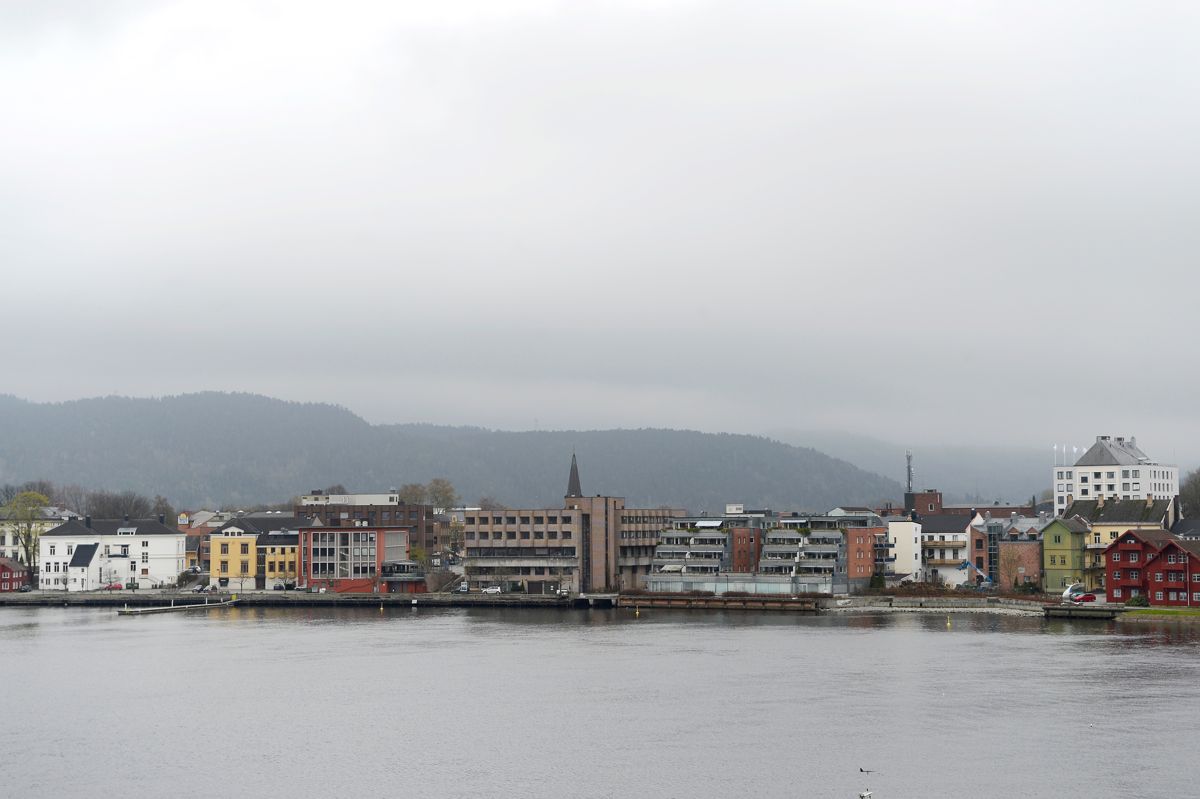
(1149, 500)
(162, 518)
(126, 517)
(1099, 500)
(87, 522)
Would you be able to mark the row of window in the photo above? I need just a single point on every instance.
(471, 520)
(511, 535)
(1066, 474)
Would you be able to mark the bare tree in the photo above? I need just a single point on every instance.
(490, 503)
(73, 497)
(111, 505)
(162, 507)
(413, 494)
(442, 494)
(1189, 493)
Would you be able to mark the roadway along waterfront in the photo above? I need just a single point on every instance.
(559, 703)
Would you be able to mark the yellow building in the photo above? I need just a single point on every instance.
(1108, 520)
(277, 560)
(233, 558)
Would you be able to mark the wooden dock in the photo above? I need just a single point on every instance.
(1097, 611)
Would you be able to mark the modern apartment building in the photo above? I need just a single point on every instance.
(1113, 468)
(358, 558)
(590, 544)
(904, 536)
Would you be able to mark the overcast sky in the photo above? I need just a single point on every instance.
(927, 221)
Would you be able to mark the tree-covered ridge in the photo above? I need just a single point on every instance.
(213, 449)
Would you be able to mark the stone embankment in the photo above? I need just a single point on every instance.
(966, 604)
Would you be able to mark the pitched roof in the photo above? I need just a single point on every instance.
(1108, 451)
(267, 524)
(1188, 528)
(1121, 511)
(76, 527)
(279, 540)
(83, 555)
(1074, 524)
(944, 522)
(12, 565)
(1157, 538)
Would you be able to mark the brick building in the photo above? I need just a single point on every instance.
(382, 510)
(357, 558)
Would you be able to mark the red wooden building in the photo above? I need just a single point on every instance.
(13, 575)
(1132, 561)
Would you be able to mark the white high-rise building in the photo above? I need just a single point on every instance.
(1113, 468)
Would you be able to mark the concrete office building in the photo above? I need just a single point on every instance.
(591, 544)
(1112, 469)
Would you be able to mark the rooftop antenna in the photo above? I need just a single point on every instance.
(908, 459)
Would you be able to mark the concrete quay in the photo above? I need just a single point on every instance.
(289, 599)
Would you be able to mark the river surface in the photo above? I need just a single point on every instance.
(563, 704)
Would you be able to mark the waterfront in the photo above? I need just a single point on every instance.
(559, 703)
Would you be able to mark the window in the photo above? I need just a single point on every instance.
(1133, 557)
(245, 568)
(1110, 475)
(1116, 557)
(145, 557)
(52, 549)
(245, 549)
(1058, 539)
(1117, 574)
(1124, 474)
(224, 567)
(1137, 473)
(1158, 595)
(1116, 593)
(1083, 478)
(224, 547)
(1158, 577)
(145, 544)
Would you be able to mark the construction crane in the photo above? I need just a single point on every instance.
(966, 564)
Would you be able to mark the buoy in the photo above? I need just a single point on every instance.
(947, 622)
(636, 611)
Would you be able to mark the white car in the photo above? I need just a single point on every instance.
(492, 589)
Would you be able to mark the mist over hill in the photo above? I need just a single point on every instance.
(964, 473)
(224, 450)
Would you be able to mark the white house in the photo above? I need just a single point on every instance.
(1112, 468)
(90, 554)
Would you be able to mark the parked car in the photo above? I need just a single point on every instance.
(463, 587)
(200, 589)
(492, 589)
(1083, 598)
(277, 587)
(113, 587)
(562, 592)
(25, 589)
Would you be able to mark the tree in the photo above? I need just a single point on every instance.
(413, 494)
(442, 494)
(74, 497)
(111, 505)
(23, 516)
(490, 503)
(163, 508)
(1189, 494)
(336, 488)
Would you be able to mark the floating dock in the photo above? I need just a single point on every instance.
(175, 608)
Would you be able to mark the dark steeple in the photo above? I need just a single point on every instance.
(573, 489)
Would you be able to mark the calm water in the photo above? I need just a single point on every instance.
(562, 704)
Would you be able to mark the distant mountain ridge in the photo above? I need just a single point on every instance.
(214, 449)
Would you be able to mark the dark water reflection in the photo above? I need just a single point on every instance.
(479, 703)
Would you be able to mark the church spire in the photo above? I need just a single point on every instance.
(573, 489)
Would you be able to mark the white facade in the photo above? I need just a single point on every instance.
(944, 552)
(1113, 468)
(124, 555)
(318, 500)
(905, 537)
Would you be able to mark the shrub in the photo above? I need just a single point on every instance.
(1139, 601)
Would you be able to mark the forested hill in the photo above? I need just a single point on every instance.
(226, 450)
